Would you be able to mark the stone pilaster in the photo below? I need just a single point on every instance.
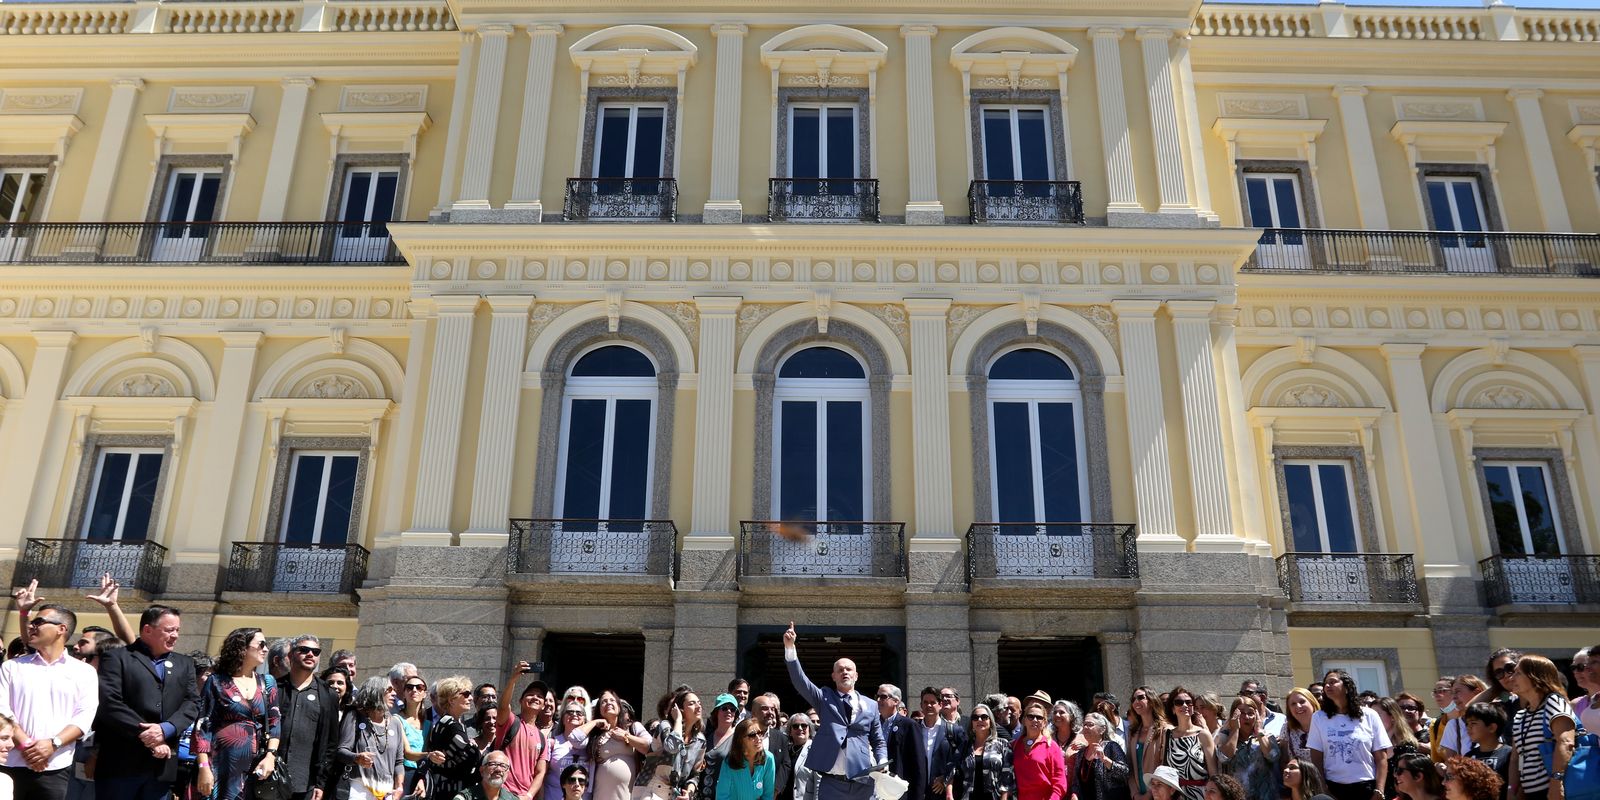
(1152, 472)
(474, 194)
(1370, 206)
(1170, 169)
(985, 661)
(497, 424)
(1445, 556)
(452, 138)
(1204, 614)
(441, 423)
(657, 661)
(1541, 160)
(1120, 186)
(443, 609)
(1245, 466)
(526, 204)
(1116, 659)
(195, 555)
(939, 641)
(285, 144)
(1202, 425)
(930, 422)
(705, 638)
(723, 204)
(924, 207)
(1191, 128)
(397, 459)
(708, 549)
(108, 152)
(24, 498)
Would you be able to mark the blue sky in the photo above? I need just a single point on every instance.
(1585, 4)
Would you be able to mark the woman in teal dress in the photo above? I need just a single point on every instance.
(747, 774)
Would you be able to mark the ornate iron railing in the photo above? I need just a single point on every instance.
(1025, 201)
(301, 568)
(1348, 578)
(1052, 550)
(621, 200)
(822, 200)
(198, 243)
(1425, 252)
(1541, 579)
(593, 547)
(825, 549)
(79, 563)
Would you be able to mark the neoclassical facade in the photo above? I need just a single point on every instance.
(1024, 345)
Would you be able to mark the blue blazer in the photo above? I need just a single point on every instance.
(860, 736)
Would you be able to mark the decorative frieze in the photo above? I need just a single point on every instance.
(384, 98)
(1585, 112)
(211, 100)
(1262, 106)
(1382, 317)
(167, 305)
(1436, 109)
(40, 101)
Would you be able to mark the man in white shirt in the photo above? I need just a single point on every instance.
(53, 697)
(849, 743)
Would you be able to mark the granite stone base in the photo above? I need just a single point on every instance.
(939, 643)
(705, 640)
(724, 214)
(1146, 219)
(925, 214)
(936, 571)
(1208, 617)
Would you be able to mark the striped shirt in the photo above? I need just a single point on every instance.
(1530, 732)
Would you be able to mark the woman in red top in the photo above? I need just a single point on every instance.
(1039, 764)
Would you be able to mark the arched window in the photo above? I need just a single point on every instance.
(821, 431)
(607, 436)
(1037, 464)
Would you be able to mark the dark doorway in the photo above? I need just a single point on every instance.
(879, 654)
(1067, 668)
(598, 661)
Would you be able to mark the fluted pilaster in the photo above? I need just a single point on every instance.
(723, 204)
(713, 419)
(1164, 119)
(452, 138)
(441, 422)
(930, 417)
(1202, 425)
(1123, 194)
(1147, 427)
(485, 116)
(923, 207)
(535, 128)
(497, 424)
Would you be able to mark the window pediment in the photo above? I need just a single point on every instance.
(375, 130)
(38, 133)
(823, 56)
(1298, 136)
(1013, 58)
(201, 130)
(634, 56)
(1422, 138)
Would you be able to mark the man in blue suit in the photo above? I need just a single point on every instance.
(849, 743)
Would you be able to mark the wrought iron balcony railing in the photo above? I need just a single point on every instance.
(1541, 580)
(822, 200)
(593, 547)
(198, 243)
(79, 563)
(1026, 201)
(1425, 252)
(301, 568)
(1362, 578)
(1052, 550)
(824, 549)
(621, 200)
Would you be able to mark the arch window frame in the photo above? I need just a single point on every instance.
(822, 392)
(612, 390)
(1032, 393)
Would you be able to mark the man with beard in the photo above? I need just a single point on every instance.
(849, 742)
(491, 779)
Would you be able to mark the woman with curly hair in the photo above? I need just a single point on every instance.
(1224, 787)
(238, 711)
(1469, 779)
(1348, 741)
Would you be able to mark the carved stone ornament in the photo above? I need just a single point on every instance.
(957, 319)
(211, 100)
(1439, 108)
(632, 80)
(1586, 112)
(1105, 321)
(1269, 106)
(384, 98)
(688, 318)
(1012, 82)
(143, 384)
(40, 101)
(334, 387)
(822, 80)
(1310, 395)
(751, 315)
(1504, 396)
(542, 315)
(894, 316)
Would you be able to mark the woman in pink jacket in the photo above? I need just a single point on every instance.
(1040, 766)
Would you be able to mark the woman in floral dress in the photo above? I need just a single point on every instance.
(234, 704)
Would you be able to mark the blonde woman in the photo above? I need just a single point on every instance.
(1545, 720)
(450, 762)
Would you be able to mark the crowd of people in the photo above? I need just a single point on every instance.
(120, 714)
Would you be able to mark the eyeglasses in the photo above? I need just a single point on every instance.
(1034, 718)
(754, 735)
(1412, 709)
(885, 696)
(799, 727)
(495, 766)
(304, 650)
(1184, 702)
(261, 645)
(1445, 690)
(575, 712)
(574, 781)
(948, 697)
(980, 717)
(1505, 671)
(416, 687)
(37, 621)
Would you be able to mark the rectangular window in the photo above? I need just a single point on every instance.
(631, 141)
(1522, 508)
(823, 141)
(19, 195)
(190, 199)
(1016, 144)
(122, 495)
(369, 195)
(1321, 506)
(321, 498)
(1373, 675)
(1456, 204)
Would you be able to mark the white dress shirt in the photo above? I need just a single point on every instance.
(46, 696)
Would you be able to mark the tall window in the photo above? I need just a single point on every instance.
(823, 143)
(1273, 201)
(631, 142)
(366, 206)
(1035, 423)
(608, 437)
(19, 195)
(190, 198)
(1522, 505)
(1321, 506)
(1456, 203)
(820, 459)
(1016, 144)
(122, 495)
(321, 498)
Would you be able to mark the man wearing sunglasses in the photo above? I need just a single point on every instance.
(53, 698)
(309, 720)
(147, 697)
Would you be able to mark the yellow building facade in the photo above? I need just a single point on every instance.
(1008, 345)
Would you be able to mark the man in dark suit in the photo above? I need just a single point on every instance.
(148, 697)
(849, 743)
(898, 730)
(935, 747)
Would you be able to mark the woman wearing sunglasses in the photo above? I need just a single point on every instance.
(413, 721)
(1468, 779)
(747, 774)
(1544, 728)
(1039, 764)
(567, 748)
(984, 768)
(1185, 745)
(240, 715)
(1146, 721)
(1348, 741)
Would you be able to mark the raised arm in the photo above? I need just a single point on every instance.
(797, 675)
(107, 598)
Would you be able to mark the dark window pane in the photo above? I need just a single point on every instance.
(586, 430)
(1288, 203)
(805, 137)
(649, 135)
(340, 504)
(846, 481)
(10, 190)
(615, 361)
(613, 145)
(1503, 507)
(355, 200)
(1030, 365)
(1536, 503)
(1058, 463)
(1336, 508)
(1302, 508)
(630, 460)
(997, 146)
(102, 522)
(301, 517)
(182, 193)
(383, 203)
(1467, 206)
(1013, 464)
(205, 208)
(841, 143)
(1439, 202)
(1255, 190)
(797, 460)
(142, 497)
(821, 362)
(1033, 145)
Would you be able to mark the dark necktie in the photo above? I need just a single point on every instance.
(849, 708)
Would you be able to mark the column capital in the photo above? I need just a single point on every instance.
(927, 306)
(1107, 32)
(241, 339)
(1152, 32)
(509, 304)
(718, 304)
(55, 338)
(536, 29)
(1402, 351)
(918, 29)
(720, 29)
(456, 304)
(657, 634)
(1586, 352)
(1352, 89)
(499, 29)
(1191, 309)
(1135, 308)
(299, 82)
(984, 637)
(1115, 637)
(1524, 94)
(135, 84)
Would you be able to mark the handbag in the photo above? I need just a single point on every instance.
(276, 785)
(1582, 781)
